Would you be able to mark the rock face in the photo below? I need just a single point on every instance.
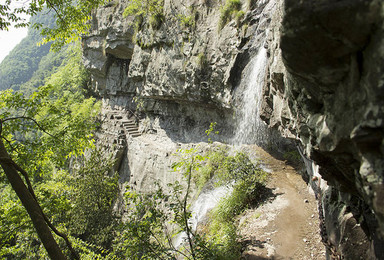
(173, 80)
(324, 88)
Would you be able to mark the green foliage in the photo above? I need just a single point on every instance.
(20, 64)
(48, 65)
(240, 168)
(189, 160)
(202, 61)
(212, 126)
(42, 132)
(219, 241)
(248, 179)
(226, 169)
(60, 108)
(71, 18)
(213, 164)
(9, 16)
(230, 9)
(156, 21)
(71, 21)
(189, 21)
(151, 9)
(238, 17)
(142, 235)
(155, 218)
(139, 103)
(92, 196)
(79, 204)
(292, 156)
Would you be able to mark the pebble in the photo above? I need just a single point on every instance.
(306, 201)
(313, 215)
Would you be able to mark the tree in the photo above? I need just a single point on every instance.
(71, 18)
(39, 133)
(12, 170)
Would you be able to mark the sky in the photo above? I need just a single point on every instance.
(9, 39)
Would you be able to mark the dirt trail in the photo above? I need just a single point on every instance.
(286, 226)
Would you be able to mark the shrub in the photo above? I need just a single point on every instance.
(249, 181)
(238, 17)
(156, 21)
(214, 163)
(292, 156)
(202, 61)
(189, 21)
(151, 8)
(231, 8)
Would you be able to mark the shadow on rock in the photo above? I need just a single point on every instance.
(261, 195)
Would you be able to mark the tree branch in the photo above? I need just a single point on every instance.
(54, 9)
(27, 118)
(188, 230)
(30, 204)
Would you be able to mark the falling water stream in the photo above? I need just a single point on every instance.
(250, 129)
(206, 201)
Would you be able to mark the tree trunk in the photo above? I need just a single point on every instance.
(30, 205)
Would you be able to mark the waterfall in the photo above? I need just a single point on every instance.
(250, 129)
(206, 201)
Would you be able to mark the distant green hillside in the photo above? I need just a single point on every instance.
(28, 64)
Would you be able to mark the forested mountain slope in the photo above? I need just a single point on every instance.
(29, 61)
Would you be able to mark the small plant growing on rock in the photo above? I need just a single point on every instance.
(251, 4)
(154, 9)
(139, 103)
(202, 61)
(189, 21)
(211, 130)
(238, 17)
(156, 21)
(292, 156)
(230, 9)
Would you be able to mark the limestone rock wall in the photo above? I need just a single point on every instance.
(173, 80)
(325, 89)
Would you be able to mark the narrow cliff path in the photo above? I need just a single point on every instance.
(286, 226)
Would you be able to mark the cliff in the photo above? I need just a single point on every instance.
(323, 87)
